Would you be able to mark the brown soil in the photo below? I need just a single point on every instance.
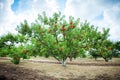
(9, 72)
(79, 64)
(36, 70)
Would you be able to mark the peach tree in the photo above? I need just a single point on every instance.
(101, 46)
(6, 43)
(8, 47)
(54, 36)
(64, 39)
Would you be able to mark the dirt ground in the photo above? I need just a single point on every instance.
(50, 69)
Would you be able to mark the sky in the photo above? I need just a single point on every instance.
(101, 13)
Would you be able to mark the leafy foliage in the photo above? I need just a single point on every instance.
(57, 37)
(116, 49)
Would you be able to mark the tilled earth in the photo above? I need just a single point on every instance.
(15, 72)
(19, 73)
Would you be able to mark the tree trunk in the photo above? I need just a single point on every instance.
(16, 60)
(63, 62)
(70, 59)
(106, 59)
(95, 58)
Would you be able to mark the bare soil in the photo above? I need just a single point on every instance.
(50, 69)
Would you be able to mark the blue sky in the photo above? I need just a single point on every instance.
(102, 13)
(15, 5)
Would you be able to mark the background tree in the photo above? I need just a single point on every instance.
(6, 42)
(101, 46)
(9, 48)
(116, 49)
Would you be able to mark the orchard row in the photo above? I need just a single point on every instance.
(57, 37)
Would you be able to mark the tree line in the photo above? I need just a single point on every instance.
(60, 38)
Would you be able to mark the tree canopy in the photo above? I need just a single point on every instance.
(60, 38)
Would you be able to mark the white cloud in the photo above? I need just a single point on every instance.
(85, 9)
(7, 17)
(112, 18)
(28, 10)
(37, 7)
(91, 9)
